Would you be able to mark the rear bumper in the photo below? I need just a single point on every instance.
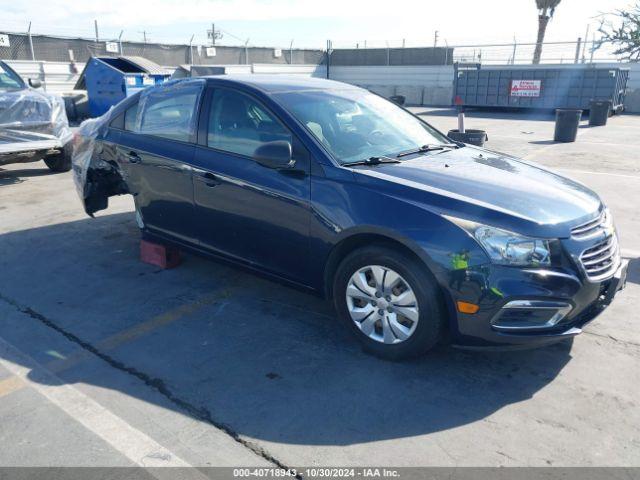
(528, 308)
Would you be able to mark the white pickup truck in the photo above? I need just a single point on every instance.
(33, 124)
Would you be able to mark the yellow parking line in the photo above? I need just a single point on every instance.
(10, 385)
(138, 330)
(13, 384)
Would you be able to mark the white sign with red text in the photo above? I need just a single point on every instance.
(525, 88)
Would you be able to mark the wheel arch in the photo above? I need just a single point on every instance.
(364, 237)
(361, 237)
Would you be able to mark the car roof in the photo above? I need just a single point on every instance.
(279, 83)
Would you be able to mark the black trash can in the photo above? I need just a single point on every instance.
(398, 99)
(599, 113)
(567, 122)
(474, 137)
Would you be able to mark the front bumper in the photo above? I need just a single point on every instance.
(528, 307)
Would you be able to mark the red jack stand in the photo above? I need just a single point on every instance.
(162, 256)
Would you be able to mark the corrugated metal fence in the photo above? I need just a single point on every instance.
(60, 77)
(56, 77)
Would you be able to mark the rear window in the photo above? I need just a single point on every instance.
(130, 117)
(169, 111)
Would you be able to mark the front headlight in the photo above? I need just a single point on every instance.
(507, 248)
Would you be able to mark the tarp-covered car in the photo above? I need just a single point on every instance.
(33, 124)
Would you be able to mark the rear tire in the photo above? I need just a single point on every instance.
(60, 162)
(394, 320)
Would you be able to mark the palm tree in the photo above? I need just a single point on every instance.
(546, 9)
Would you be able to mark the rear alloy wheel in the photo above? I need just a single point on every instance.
(390, 301)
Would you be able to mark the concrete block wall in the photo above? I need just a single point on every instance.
(421, 85)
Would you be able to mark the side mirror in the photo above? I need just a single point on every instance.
(276, 155)
(35, 83)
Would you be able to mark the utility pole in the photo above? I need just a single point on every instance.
(213, 35)
(95, 24)
(120, 42)
(291, 52)
(446, 52)
(578, 44)
(584, 45)
(329, 49)
(435, 39)
(191, 50)
(33, 55)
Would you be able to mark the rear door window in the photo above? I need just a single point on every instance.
(130, 117)
(169, 111)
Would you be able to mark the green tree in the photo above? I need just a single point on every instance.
(623, 32)
(546, 9)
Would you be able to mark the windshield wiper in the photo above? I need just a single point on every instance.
(427, 148)
(373, 161)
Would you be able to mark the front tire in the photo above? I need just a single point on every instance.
(60, 162)
(390, 301)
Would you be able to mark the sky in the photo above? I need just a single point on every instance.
(276, 23)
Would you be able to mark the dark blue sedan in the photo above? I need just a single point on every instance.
(416, 238)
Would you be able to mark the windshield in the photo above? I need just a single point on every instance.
(356, 124)
(9, 80)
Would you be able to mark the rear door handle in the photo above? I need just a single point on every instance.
(133, 157)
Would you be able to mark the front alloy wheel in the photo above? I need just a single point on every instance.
(382, 304)
(390, 301)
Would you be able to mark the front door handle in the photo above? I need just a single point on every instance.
(133, 157)
(211, 180)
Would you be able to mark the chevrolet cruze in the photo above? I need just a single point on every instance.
(415, 238)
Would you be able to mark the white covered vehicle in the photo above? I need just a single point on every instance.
(33, 124)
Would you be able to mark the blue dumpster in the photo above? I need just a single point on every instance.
(108, 80)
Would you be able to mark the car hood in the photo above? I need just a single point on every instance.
(490, 187)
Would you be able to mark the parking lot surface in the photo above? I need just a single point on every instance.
(105, 360)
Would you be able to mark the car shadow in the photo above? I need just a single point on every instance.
(13, 176)
(267, 361)
(633, 272)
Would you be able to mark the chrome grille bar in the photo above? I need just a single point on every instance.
(601, 260)
(589, 228)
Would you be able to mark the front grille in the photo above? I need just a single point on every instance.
(601, 260)
(590, 228)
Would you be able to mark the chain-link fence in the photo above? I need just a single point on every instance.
(24, 46)
(19, 46)
(516, 53)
